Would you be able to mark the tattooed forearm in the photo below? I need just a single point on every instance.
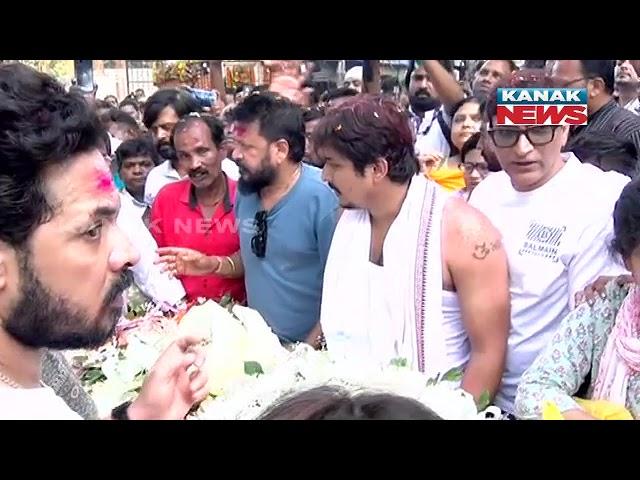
(482, 250)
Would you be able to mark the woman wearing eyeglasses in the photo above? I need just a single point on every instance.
(474, 167)
(554, 214)
(447, 172)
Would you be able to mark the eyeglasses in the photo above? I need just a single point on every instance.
(537, 136)
(482, 168)
(259, 240)
(568, 83)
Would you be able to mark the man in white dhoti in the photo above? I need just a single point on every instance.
(412, 272)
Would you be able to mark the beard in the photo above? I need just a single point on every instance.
(40, 319)
(254, 182)
(422, 102)
(166, 151)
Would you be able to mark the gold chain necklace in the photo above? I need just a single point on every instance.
(8, 381)
(12, 383)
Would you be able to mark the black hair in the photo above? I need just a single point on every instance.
(118, 116)
(41, 125)
(458, 105)
(604, 150)
(448, 65)
(388, 84)
(111, 96)
(260, 89)
(240, 88)
(313, 113)
(470, 144)
(338, 93)
(106, 140)
(101, 104)
(216, 127)
(366, 128)
(604, 69)
(535, 64)
(626, 220)
(131, 102)
(334, 403)
(137, 147)
(182, 102)
(278, 118)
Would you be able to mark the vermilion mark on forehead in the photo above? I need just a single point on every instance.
(239, 130)
(104, 182)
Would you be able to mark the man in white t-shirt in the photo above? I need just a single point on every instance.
(64, 263)
(134, 159)
(555, 216)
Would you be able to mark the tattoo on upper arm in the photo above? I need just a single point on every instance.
(482, 250)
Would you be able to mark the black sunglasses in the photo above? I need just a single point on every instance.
(537, 135)
(259, 240)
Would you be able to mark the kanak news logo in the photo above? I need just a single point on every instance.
(541, 106)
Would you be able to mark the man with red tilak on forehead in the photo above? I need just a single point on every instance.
(64, 263)
(286, 215)
(411, 274)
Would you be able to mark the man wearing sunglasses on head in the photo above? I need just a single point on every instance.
(605, 115)
(555, 215)
(287, 216)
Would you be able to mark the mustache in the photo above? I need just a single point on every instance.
(422, 92)
(334, 188)
(197, 171)
(124, 281)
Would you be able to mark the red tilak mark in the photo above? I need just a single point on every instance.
(239, 130)
(105, 183)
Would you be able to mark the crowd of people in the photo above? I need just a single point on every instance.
(377, 222)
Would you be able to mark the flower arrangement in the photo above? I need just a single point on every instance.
(248, 368)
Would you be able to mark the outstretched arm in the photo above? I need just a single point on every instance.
(185, 261)
(448, 88)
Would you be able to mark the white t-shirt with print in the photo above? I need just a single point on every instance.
(557, 241)
(33, 404)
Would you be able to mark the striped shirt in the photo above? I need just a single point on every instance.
(617, 120)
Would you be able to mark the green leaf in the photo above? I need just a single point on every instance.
(93, 375)
(253, 368)
(453, 375)
(399, 362)
(484, 401)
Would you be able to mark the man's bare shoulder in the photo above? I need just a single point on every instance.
(468, 232)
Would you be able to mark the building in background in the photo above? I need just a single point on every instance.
(121, 77)
(243, 72)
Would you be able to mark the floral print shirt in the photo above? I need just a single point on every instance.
(575, 350)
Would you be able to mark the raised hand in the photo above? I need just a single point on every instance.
(185, 261)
